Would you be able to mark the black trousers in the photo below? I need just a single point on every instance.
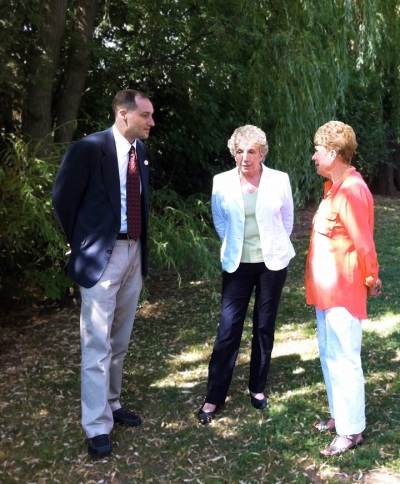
(237, 288)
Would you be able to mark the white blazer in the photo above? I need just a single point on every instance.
(274, 215)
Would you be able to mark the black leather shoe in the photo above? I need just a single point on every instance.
(206, 417)
(124, 417)
(100, 445)
(258, 404)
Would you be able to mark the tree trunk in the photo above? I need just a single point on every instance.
(76, 70)
(395, 159)
(42, 67)
(385, 180)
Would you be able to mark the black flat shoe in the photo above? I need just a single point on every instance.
(258, 404)
(206, 417)
(99, 446)
(124, 417)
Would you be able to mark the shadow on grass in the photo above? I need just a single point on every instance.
(165, 381)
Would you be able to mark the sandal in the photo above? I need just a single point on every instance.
(323, 425)
(332, 449)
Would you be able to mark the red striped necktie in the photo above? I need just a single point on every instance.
(133, 201)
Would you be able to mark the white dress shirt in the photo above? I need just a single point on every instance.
(123, 147)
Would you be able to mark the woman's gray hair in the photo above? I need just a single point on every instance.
(248, 135)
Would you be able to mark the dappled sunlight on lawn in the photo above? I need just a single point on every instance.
(305, 349)
(303, 391)
(384, 324)
(165, 381)
(190, 357)
(181, 375)
(296, 339)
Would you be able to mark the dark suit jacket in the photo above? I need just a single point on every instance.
(87, 201)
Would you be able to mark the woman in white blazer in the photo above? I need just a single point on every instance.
(252, 208)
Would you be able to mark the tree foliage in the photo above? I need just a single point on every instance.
(287, 66)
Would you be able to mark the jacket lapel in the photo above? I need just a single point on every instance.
(234, 188)
(264, 189)
(109, 162)
(143, 163)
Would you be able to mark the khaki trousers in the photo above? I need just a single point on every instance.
(107, 315)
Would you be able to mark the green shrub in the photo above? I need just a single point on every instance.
(182, 236)
(32, 246)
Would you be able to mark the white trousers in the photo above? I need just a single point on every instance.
(339, 341)
(107, 315)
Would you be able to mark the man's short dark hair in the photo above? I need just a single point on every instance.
(127, 99)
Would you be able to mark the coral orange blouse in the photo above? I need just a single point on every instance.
(342, 251)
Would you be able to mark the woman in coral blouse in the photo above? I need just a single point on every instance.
(342, 270)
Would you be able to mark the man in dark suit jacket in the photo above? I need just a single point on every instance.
(90, 200)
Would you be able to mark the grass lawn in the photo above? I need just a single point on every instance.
(165, 381)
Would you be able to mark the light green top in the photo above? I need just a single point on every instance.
(251, 245)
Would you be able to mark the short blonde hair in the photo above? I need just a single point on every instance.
(249, 135)
(337, 136)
